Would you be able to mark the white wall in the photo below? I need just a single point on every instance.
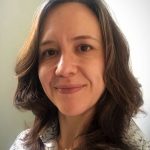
(15, 21)
(133, 17)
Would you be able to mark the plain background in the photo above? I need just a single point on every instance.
(132, 17)
(15, 20)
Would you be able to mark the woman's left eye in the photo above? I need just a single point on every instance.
(84, 47)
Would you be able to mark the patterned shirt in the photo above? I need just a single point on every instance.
(134, 136)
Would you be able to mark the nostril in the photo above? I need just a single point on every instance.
(66, 65)
(65, 69)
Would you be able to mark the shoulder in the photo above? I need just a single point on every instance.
(19, 142)
(47, 136)
(134, 136)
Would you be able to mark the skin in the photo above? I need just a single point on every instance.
(71, 66)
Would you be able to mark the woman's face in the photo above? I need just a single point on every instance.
(71, 59)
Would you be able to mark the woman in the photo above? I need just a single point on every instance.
(73, 74)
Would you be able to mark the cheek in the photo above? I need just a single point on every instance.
(98, 85)
(96, 70)
(45, 76)
(96, 75)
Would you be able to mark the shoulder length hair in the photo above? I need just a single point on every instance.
(119, 103)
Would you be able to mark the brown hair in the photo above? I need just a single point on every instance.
(119, 103)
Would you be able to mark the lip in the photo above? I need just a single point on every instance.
(69, 89)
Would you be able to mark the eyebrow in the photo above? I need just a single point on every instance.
(85, 37)
(80, 37)
(46, 42)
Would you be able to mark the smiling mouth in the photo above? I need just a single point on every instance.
(69, 89)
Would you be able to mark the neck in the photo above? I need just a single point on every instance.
(71, 127)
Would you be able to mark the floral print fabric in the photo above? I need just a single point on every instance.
(134, 136)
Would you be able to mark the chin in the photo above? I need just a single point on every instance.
(72, 112)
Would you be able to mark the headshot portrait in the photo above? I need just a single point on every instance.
(74, 74)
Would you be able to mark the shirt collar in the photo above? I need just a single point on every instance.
(49, 136)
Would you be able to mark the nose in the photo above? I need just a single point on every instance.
(66, 66)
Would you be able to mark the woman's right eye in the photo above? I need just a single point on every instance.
(49, 53)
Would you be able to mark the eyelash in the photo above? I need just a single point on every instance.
(87, 46)
(50, 53)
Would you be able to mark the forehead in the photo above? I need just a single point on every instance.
(71, 18)
(71, 8)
